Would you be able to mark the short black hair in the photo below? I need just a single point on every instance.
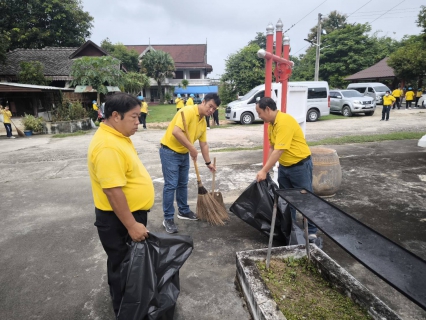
(212, 96)
(267, 102)
(120, 102)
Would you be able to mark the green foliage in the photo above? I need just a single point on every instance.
(69, 110)
(129, 58)
(33, 123)
(158, 65)
(97, 72)
(32, 72)
(331, 22)
(243, 71)
(260, 40)
(36, 24)
(409, 61)
(167, 97)
(349, 50)
(226, 92)
(184, 83)
(4, 46)
(421, 21)
(133, 82)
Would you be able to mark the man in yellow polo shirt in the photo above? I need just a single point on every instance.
(409, 97)
(122, 188)
(388, 102)
(397, 93)
(419, 94)
(7, 115)
(190, 101)
(174, 154)
(289, 147)
(180, 103)
(144, 111)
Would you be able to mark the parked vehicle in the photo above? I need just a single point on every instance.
(422, 101)
(244, 109)
(348, 102)
(376, 90)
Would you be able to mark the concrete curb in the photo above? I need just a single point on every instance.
(259, 298)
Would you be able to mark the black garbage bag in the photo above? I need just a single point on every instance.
(150, 274)
(254, 206)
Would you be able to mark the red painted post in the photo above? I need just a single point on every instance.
(268, 86)
(284, 83)
(278, 39)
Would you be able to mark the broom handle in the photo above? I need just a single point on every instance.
(214, 174)
(187, 136)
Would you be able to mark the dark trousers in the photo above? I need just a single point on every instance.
(385, 112)
(397, 103)
(142, 119)
(408, 104)
(115, 238)
(208, 121)
(8, 127)
(417, 101)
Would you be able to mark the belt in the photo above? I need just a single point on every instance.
(166, 147)
(112, 212)
(300, 162)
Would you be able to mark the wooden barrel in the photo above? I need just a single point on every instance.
(327, 173)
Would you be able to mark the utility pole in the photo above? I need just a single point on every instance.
(318, 47)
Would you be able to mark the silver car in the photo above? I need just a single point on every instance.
(348, 102)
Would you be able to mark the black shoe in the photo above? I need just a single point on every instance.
(387, 119)
(169, 225)
(382, 119)
(187, 216)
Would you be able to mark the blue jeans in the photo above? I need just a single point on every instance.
(8, 127)
(297, 177)
(385, 112)
(175, 168)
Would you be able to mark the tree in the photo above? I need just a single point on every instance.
(409, 61)
(158, 65)
(260, 40)
(32, 72)
(421, 21)
(350, 49)
(243, 71)
(4, 46)
(134, 82)
(97, 72)
(36, 24)
(129, 58)
(332, 22)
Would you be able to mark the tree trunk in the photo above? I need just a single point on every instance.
(98, 98)
(160, 89)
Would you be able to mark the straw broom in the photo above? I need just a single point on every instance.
(20, 133)
(208, 209)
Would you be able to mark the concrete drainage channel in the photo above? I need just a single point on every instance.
(259, 299)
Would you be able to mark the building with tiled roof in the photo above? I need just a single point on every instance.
(190, 64)
(380, 72)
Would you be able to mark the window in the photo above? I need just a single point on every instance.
(370, 89)
(259, 95)
(360, 89)
(178, 74)
(194, 74)
(317, 93)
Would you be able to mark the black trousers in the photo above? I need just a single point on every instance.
(417, 101)
(142, 119)
(385, 112)
(115, 238)
(408, 104)
(216, 117)
(397, 103)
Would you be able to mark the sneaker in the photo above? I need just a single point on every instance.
(387, 119)
(208, 128)
(187, 216)
(382, 119)
(169, 225)
(12, 137)
(311, 237)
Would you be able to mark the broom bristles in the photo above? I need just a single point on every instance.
(201, 189)
(208, 209)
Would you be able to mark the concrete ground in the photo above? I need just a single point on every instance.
(52, 263)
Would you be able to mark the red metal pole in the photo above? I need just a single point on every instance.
(268, 86)
(278, 39)
(284, 88)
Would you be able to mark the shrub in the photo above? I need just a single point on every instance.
(69, 110)
(32, 123)
(76, 111)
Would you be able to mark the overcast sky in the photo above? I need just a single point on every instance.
(228, 25)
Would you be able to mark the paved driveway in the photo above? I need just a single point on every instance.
(53, 266)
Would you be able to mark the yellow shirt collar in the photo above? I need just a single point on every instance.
(109, 129)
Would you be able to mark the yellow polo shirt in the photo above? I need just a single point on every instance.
(388, 100)
(179, 103)
(397, 93)
(419, 94)
(197, 129)
(144, 107)
(7, 115)
(286, 134)
(113, 162)
(190, 102)
(409, 95)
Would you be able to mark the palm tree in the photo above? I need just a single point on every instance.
(158, 65)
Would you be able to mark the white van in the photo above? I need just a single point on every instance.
(376, 90)
(244, 109)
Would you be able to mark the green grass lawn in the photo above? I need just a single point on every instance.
(332, 117)
(166, 112)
